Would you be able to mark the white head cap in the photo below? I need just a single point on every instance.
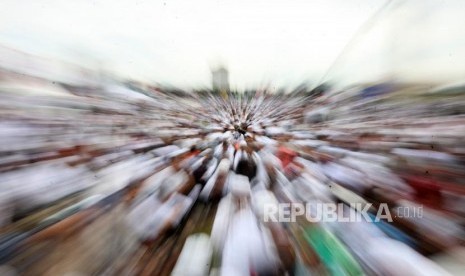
(239, 185)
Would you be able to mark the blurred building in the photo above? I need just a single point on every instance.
(220, 79)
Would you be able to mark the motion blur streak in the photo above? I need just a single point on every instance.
(104, 175)
(127, 179)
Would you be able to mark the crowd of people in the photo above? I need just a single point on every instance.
(119, 182)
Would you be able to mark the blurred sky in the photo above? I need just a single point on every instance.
(177, 42)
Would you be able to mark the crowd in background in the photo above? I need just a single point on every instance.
(125, 181)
